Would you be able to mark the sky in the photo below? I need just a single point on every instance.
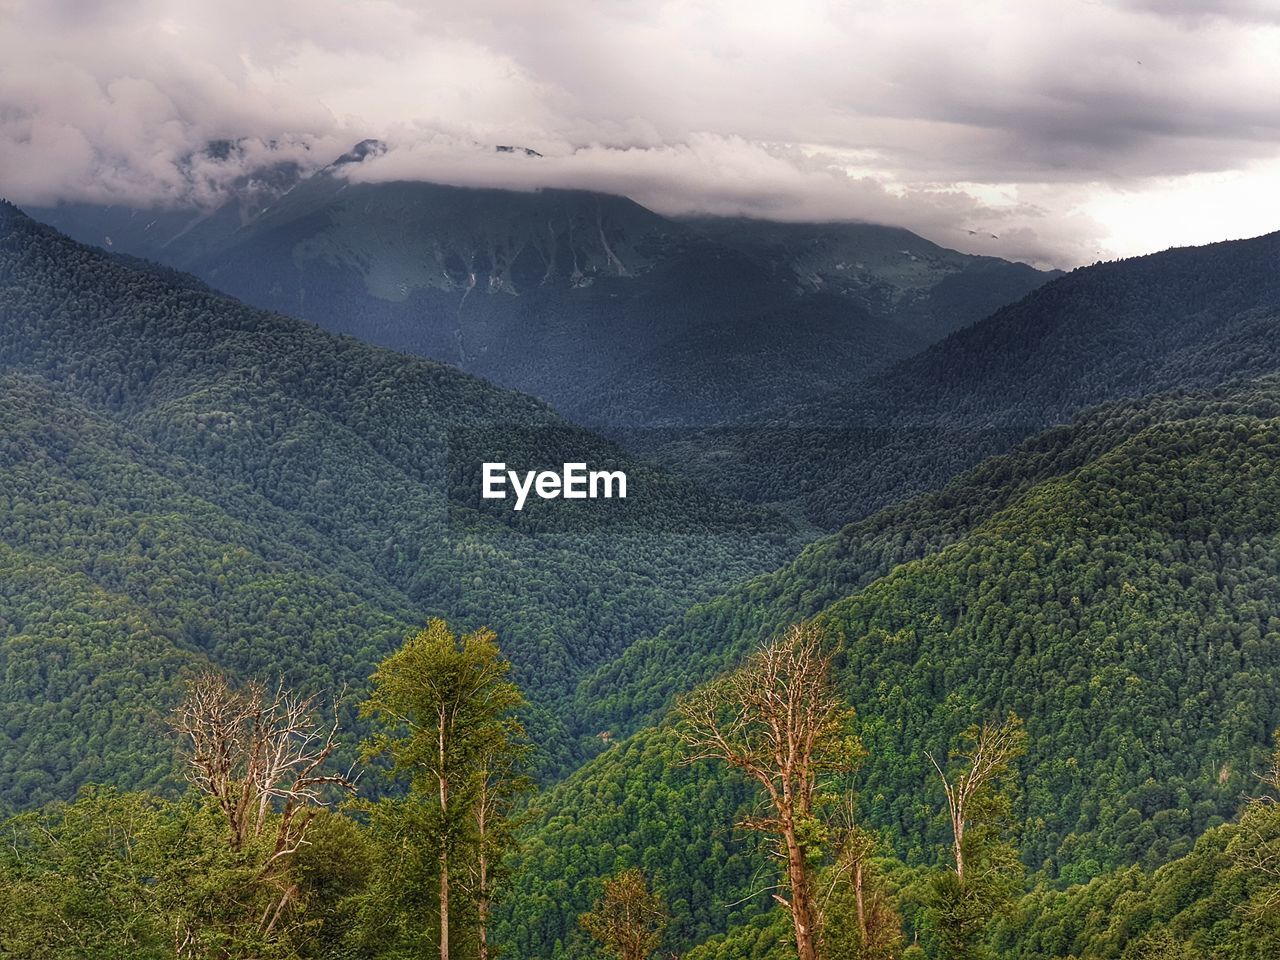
(1059, 132)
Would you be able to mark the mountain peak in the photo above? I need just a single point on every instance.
(508, 148)
(369, 147)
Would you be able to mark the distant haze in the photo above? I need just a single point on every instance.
(1053, 131)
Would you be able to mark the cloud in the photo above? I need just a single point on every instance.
(1040, 123)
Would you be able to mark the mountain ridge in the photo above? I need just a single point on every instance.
(1185, 318)
(585, 299)
(337, 458)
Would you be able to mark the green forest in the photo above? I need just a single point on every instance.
(277, 683)
(1189, 318)
(226, 486)
(272, 851)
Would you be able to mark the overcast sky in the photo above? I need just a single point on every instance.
(1055, 131)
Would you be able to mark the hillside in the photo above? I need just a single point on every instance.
(881, 267)
(1112, 582)
(1208, 903)
(1188, 318)
(614, 314)
(189, 480)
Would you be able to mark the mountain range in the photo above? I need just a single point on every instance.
(614, 314)
(1069, 508)
(1192, 317)
(188, 480)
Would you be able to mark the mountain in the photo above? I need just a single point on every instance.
(1112, 581)
(614, 314)
(883, 268)
(1207, 903)
(185, 480)
(1183, 319)
(188, 481)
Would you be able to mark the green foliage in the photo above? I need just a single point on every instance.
(396, 913)
(447, 720)
(767, 936)
(185, 481)
(334, 870)
(1112, 582)
(1210, 903)
(130, 874)
(628, 919)
(637, 686)
(636, 806)
(442, 703)
(842, 938)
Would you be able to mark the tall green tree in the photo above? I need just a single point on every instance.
(985, 873)
(448, 717)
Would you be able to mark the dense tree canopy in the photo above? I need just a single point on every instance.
(190, 485)
(1112, 582)
(188, 480)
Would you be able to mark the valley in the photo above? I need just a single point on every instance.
(639, 481)
(1063, 511)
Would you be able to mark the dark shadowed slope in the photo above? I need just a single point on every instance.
(1182, 319)
(248, 490)
(611, 312)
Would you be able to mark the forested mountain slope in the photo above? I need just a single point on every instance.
(1182, 319)
(1112, 582)
(639, 685)
(611, 312)
(242, 488)
(890, 267)
(1212, 902)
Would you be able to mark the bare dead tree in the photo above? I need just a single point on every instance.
(780, 720)
(995, 746)
(260, 753)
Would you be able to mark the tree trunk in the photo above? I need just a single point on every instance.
(800, 904)
(862, 908)
(444, 849)
(482, 906)
(444, 905)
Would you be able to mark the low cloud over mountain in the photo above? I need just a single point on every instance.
(1047, 131)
